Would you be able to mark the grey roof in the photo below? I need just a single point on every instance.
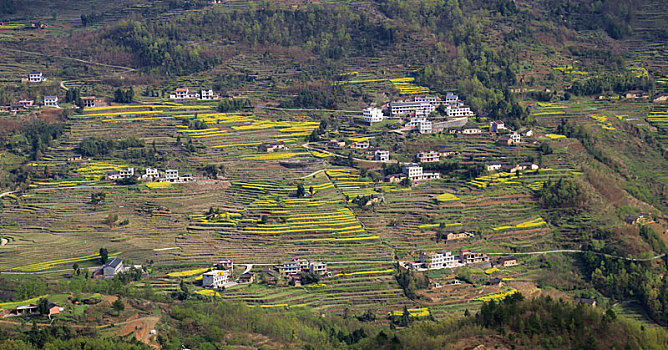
(113, 263)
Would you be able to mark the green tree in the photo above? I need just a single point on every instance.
(104, 255)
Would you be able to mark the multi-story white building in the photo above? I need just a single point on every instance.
(373, 115)
(458, 111)
(451, 98)
(207, 95)
(400, 108)
(515, 136)
(184, 94)
(432, 100)
(416, 173)
(467, 257)
(121, 174)
(171, 175)
(381, 155)
(88, 101)
(424, 127)
(150, 173)
(493, 166)
(438, 260)
(215, 278)
(51, 102)
(36, 77)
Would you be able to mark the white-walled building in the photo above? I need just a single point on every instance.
(215, 278)
(184, 94)
(451, 98)
(493, 166)
(36, 77)
(438, 260)
(360, 145)
(171, 175)
(373, 115)
(51, 102)
(428, 156)
(151, 173)
(432, 100)
(121, 174)
(416, 173)
(496, 125)
(400, 108)
(458, 111)
(207, 95)
(381, 155)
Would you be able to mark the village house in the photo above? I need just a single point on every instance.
(590, 302)
(33, 309)
(451, 98)
(496, 125)
(636, 94)
(88, 101)
(660, 98)
(507, 261)
(381, 155)
(121, 174)
(428, 156)
(207, 95)
(76, 158)
(471, 130)
(528, 166)
(226, 264)
(293, 266)
(17, 108)
(36, 77)
(638, 219)
(5, 109)
(467, 257)
(110, 269)
(418, 122)
(446, 152)
(272, 277)
(515, 137)
(26, 103)
(272, 146)
(495, 282)
(317, 267)
(438, 260)
(171, 175)
(215, 278)
(184, 94)
(493, 166)
(451, 236)
(247, 277)
(505, 140)
(51, 102)
(186, 178)
(360, 145)
(416, 173)
(373, 115)
(150, 174)
(526, 133)
(395, 178)
(336, 143)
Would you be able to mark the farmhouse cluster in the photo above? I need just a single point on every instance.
(185, 94)
(447, 260)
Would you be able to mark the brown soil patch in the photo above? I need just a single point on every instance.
(209, 185)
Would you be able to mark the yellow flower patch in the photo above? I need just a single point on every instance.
(188, 273)
(497, 296)
(364, 273)
(447, 197)
(158, 185)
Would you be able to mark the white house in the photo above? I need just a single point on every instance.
(373, 115)
(207, 95)
(51, 102)
(470, 130)
(432, 100)
(171, 175)
(186, 178)
(184, 94)
(88, 101)
(496, 125)
(215, 278)
(451, 98)
(381, 155)
(415, 173)
(436, 261)
(360, 145)
(121, 174)
(317, 267)
(424, 127)
(36, 77)
(515, 137)
(399, 108)
(151, 173)
(458, 111)
(493, 166)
